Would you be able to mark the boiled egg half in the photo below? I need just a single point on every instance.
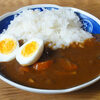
(8, 48)
(30, 52)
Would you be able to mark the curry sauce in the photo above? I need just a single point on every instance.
(62, 68)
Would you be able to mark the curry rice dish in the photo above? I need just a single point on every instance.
(45, 64)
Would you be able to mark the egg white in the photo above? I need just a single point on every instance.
(25, 61)
(12, 55)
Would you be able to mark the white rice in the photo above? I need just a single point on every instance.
(61, 27)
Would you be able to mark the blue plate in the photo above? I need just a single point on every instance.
(90, 24)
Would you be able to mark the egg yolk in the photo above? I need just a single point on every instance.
(7, 46)
(29, 49)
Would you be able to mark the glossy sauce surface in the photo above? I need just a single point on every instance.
(58, 75)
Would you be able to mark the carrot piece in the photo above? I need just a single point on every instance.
(68, 65)
(42, 65)
(73, 67)
(25, 69)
